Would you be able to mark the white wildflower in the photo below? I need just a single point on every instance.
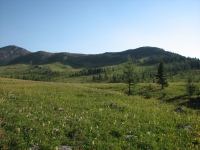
(55, 129)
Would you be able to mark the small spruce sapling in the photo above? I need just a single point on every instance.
(190, 87)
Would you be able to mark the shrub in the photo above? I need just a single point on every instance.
(148, 95)
(164, 94)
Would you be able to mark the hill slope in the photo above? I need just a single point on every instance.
(142, 56)
(9, 53)
(39, 57)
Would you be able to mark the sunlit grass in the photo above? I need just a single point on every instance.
(79, 115)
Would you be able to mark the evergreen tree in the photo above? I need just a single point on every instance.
(114, 78)
(100, 77)
(129, 74)
(143, 77)
(190, 87)
(94, 78)
(106, 75)
(161, 75)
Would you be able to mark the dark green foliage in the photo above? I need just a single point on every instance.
(161, 75)
(90, 71)
(116, 133)
(190, 87)
(146, 91)
(198, 92)
(164, 94)
(148, 95)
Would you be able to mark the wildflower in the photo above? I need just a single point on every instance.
(60, 109)
(18, 129)
(55, 129)
(79, 119)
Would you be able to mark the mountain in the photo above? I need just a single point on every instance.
(9, 53)
(40, 57)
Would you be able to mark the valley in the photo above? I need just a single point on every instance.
(80, 101)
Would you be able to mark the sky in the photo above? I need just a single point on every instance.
(98, 26)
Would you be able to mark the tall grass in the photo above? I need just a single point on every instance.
(80, 116)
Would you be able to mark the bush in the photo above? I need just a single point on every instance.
(164, 94)
(116, 133)
(198, 92)
(148, 95)
(149, 87)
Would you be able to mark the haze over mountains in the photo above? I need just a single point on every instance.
(10, 55)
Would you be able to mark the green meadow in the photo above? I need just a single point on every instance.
(101, 116)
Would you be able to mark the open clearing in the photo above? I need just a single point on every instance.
(92, 116)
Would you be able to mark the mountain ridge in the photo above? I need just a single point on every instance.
(142, 55)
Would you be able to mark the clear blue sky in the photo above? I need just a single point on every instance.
(98, 26)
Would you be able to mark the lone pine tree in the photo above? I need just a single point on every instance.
(129, 74)
(161, 75)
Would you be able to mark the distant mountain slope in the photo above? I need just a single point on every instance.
(9, 53)
(113, 58)
(39, 57)
(142, 56)
(142, 52)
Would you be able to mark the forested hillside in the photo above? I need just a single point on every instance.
(143, 56)
(106, 67)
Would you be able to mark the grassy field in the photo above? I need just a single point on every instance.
(57, 72)
(96, 116)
